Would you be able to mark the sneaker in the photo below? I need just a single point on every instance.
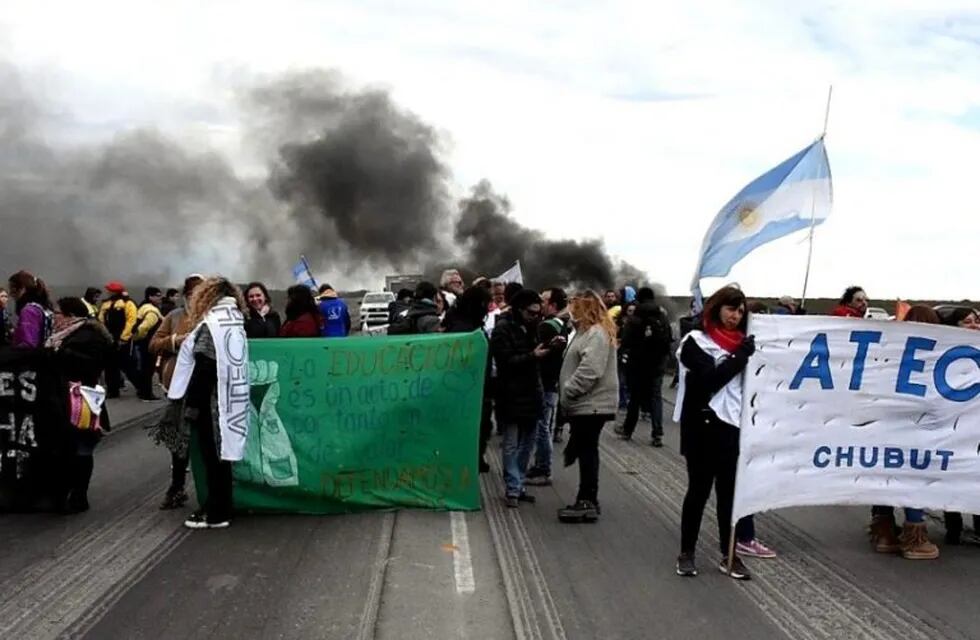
(197, 520)
(754, 549)
(883, 537)
(220, 524)
(657, 442)
(621, 432)
(581, 511)
(527, 497)
(738, 572)
(149, 398)
(916, 544)
(173, 500)
(512, 502)
(538, 481)
(685, 565)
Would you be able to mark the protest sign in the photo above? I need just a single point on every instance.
(844, 411)
(341, 425)
(33, 427)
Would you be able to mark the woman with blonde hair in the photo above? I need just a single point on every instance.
(211, 377)
(589, 393)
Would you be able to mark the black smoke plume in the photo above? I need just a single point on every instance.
(354, 181)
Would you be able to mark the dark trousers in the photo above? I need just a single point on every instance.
(711, 462)
(954, 523)
(644, 395)
(745, 529)
(216, 471)
(583, 439)
(178, 473)
(144, 366)
(124, 363)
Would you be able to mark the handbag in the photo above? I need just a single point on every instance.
(85, 407)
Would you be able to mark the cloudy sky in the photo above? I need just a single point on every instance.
(630, 121)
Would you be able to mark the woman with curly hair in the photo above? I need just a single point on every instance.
(589, 394)
(211, 377)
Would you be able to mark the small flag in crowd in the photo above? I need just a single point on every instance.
(302, 274)
(794, 195)
(511, 275)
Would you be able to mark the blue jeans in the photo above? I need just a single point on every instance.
(913, 516)
(543, 448)
(517, 445)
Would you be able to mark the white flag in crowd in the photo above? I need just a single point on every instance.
(512, 275)
(845, 411)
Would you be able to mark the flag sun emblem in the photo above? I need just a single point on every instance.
(748, 217)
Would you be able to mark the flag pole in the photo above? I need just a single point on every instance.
(306, 265)
(813, 204)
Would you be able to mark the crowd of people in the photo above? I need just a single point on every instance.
(554, 361)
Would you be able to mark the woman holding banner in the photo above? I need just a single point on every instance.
(709, 402)
(589, 394)
(965, 318)
(914, 542)
(853, 304)
(211, 377)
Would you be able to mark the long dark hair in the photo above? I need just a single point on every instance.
(473, 305)
(725, 297)
(849, 294)
(299, 301)
(27, 289)
(955, 316)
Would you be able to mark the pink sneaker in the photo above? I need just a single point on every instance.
(754, 549)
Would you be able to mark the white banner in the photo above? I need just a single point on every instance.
(862, 412)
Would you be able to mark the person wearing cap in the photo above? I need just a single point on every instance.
(119, 314)
(148, 320)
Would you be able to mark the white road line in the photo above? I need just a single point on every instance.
(462, 561)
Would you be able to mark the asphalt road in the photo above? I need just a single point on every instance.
(127, 570)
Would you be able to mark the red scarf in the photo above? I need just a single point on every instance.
(727, 339)
(846, 311)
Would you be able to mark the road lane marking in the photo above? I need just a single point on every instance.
(462, 561)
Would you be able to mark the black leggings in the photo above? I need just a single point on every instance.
(711, 461)
(584, 441)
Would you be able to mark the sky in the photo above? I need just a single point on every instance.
(629, 121)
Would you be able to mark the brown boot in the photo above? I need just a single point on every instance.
(883, 537)
(915, 542)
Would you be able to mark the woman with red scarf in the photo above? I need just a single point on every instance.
(709, 401)
(853, 304)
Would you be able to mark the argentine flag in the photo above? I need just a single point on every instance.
(302, 275)
(791, 197)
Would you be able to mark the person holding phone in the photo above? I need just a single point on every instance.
(552, 333)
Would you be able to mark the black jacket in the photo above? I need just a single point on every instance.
(645, 340)
(422, 317)
(258, 327)
(704, 379)
(518, 388)
(456, 322)
(84, 354)
(550, 365)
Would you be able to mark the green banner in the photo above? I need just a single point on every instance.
(349, 424)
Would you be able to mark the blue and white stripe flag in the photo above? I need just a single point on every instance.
(791, 197)
(302, 275)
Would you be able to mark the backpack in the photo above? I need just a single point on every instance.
(656, 339)
(403, 325)
(115, 318)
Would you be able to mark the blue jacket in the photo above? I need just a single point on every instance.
(336, 318)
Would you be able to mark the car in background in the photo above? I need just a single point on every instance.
(374, 308)
(877, 313)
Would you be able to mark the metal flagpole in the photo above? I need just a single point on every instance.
(813, 220)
